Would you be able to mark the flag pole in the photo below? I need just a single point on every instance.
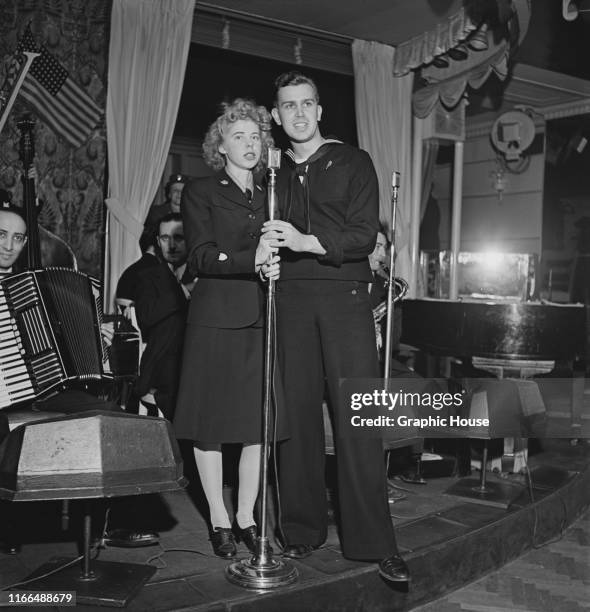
(30, 56)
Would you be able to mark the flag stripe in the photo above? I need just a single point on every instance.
(62, 110)
(84, 109)
(51, 116)
(54, 114)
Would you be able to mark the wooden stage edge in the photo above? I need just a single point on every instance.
(444, 550)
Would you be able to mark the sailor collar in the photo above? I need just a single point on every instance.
(322, 150)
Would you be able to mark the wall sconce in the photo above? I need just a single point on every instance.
(499, 181)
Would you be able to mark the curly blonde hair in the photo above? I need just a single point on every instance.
(240, 108)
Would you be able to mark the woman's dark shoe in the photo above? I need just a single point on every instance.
(394, 569)
(222, 540)
(248, 535)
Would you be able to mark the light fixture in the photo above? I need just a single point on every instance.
(499, 181)
(479, 40)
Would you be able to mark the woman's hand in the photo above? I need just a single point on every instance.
(271, 269)
(264, 251)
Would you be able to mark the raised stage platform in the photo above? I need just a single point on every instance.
(446, 541)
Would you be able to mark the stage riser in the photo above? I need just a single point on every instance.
(436, 570)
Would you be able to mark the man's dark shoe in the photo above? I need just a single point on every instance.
(223, 542)
(394, 569)
(248, 536)
(128, 538)
(298, 551)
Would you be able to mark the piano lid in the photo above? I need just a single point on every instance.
(515, 330)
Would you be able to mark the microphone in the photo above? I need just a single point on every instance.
(274, 158)
(395, 184)
(273, 164)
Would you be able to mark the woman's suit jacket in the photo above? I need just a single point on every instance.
(222, 231)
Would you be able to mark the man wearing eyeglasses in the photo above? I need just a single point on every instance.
(161, 308)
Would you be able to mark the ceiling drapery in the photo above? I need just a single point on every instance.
(448, 84)
(422, 49)
(451, 89)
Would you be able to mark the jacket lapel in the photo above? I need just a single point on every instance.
(258, 198)
(230, 194)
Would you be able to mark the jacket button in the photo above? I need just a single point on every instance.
(353, 292)
(252, 234)
(251, 216)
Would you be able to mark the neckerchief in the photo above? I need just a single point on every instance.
(298, 211)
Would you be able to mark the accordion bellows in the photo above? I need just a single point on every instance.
(49, 332)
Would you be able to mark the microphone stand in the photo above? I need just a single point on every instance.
(416, 477)
(262, 571)
(390, 306)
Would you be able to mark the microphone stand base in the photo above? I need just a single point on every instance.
(261, 572)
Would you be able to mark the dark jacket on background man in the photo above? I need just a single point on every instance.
(161, 307)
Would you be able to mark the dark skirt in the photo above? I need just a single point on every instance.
(220, 396)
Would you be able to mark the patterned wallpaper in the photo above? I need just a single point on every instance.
(71, 182)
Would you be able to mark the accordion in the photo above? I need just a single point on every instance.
(49, 333)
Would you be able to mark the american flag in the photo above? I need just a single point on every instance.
(62, 104)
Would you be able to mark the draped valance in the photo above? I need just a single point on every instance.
(448, 83)
(422, 49)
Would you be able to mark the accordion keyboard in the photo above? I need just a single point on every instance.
(15, 380)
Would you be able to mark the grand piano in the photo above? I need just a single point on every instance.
(497, 314)
(497, 330)
(498, 322)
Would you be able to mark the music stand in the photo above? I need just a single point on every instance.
(499, 403)
(86, 456)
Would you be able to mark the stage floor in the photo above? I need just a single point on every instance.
(446, 541)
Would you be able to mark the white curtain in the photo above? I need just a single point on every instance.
(147, 61)
(384, 125)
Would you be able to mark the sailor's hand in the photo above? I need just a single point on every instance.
(283, 234)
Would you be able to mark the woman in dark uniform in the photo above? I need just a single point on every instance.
(220, 395)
